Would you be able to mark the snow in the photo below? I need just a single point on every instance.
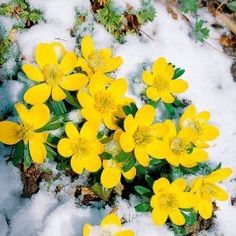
(211, 88)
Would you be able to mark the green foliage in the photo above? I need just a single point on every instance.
(232, 6)
(131, 109)
(27, 157)
(190, 216)
(143, 207)
(18, 153)
(5, 48)
(178, 72)
(146, 13)
(101, 192)
(187, 6)
(201, 33)
(106, 156)
(143, 191)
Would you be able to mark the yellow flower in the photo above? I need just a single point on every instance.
(31, 120)
(199, 124)
(110, 226)
(104, 103)
(160, 83)
(51, 75)
(96, 60)
(141, 136)
(168, 200)
(176, 147)
(83, 146)
(112, 170)
(206, 191)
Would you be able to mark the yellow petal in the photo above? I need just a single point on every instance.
(109, 121)
(160, 185)
(159, 217)
(112, 64)
(154, 201)
(77, 164)
(141, 156)
(145, 115)
(219, 193)
(178, 86)
(187, 161)
(87, 46)
(68, 62)
(111, 219)
(92, 163)
(84, 66)
(186, 200)
(177, 217)
(130, 174)
(199, 155)
(74, 82)
(218, 175)
(110, 177)
(9, 132)
(57, 93)
(173, 159)
(71, 131)
(210, 132)
(118, 87)
(171, 127)
(89, 131)
(97, 83)
(179, 185)
(156, 149)
(205, 209)
(130, 125)
(147, 78)
(106, 52)
(159, 66)
(86, 229)
(169, 73)
(85, 99)
(39, 115)
(64, 147)
(33, 73)
(125, 233)
(167, 97)
(91, 114)
(23, 112)
(188, 115)
(153, 94)
(37, 94)
(126, 142)
(45, 54)
(38, 151)
(203, 116)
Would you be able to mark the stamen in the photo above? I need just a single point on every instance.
(105, 102)
(53, 74)
(143, 135)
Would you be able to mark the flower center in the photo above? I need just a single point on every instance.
(178, 145)
(207, 191)
(53, 74)
(168, 201)
(96, 61)
(26, 133)
(82, 147)
(161, 84)
(143, 135)
(104, 102)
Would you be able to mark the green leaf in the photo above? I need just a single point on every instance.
(152, 103)
(58, 108)
(52, 139)
(101, 192)
(50, 126)
(50, 151)
(147, 13)
(106, 156)
(129, 163)
(127, 110)
(232, 6)
(143, 191)
(178, 72)
(170, 110)
(18, 153)
(122, 156)
(189, 6)
(134, 108)
(143, 207)
(63, 165)
(190, 216)
(71, 100)
(154, 162)
(27, 157)
(141, 170)
(201, 33)
(149, 180)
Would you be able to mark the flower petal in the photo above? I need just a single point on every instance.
(118, 87)
(68, 62)
(159, 217)
(82, 63)
(87, 46)
(160, 185)
(219, 193)
(37, 94)
(125, 233)
(110, 177)
(64, 147)
(203, 116)
(156, 149)
(71, 131)
(77, 164)
(45, 54)
(130, 125)
(159, 66)
(167, 97)
(91, 114)
(205, 209)
(177, 217)
(145, 115)
(57, 93)
(38, 151)
(178, 86)
(179, 185)
(187, 200)
(127, 142)
(89, 131)
(112, 64)
(74, 82)
(92, 163)
(9, 132)
(169, 73)
(86, 229)
(210, 132)
(33, 73)
(147, 77)
(141, 156)
(111, 219)
(130, 174)
(23, 112)
(85, 99)
(97, 83)
(39, 115)
(152, 93)
(218, 175)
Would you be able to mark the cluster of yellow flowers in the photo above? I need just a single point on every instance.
(137, 135)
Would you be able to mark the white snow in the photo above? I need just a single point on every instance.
(211, 88)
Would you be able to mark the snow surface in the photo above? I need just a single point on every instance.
(211, 88)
